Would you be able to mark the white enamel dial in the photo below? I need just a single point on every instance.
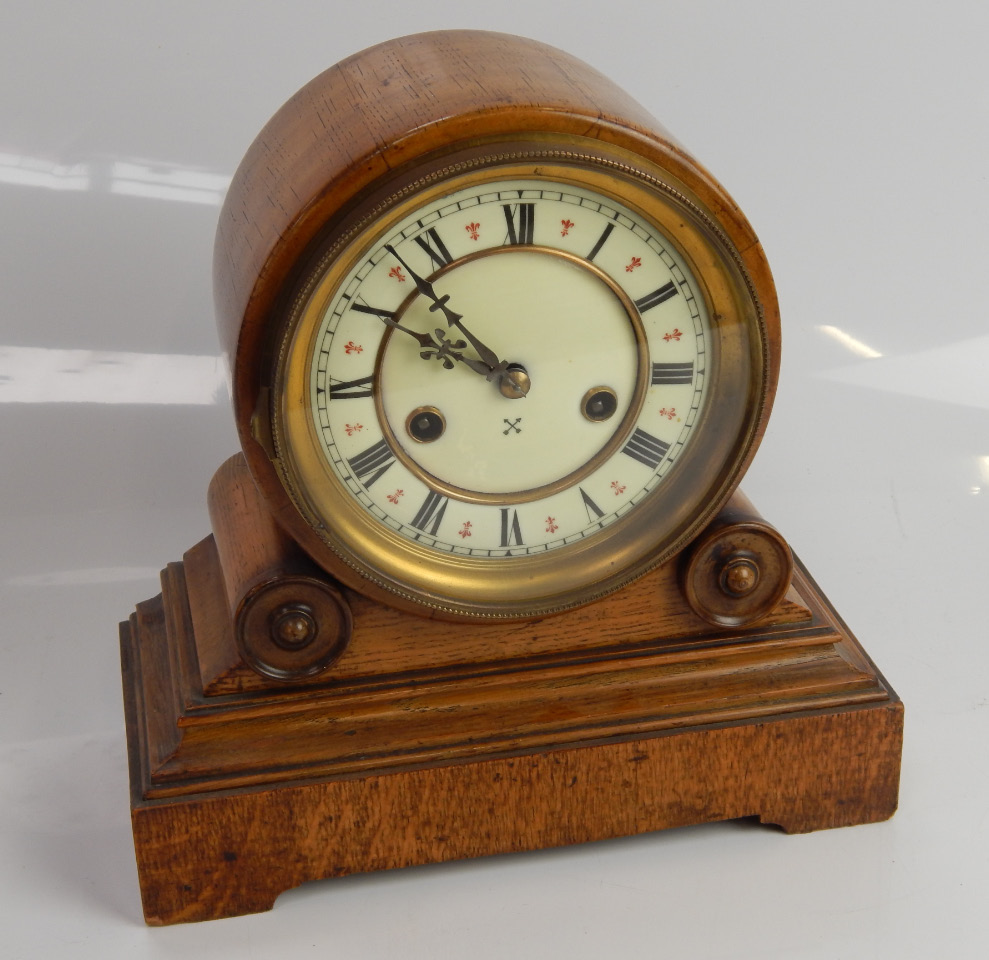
(563, 394)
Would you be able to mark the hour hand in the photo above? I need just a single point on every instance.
(438, 347)
(387, 317)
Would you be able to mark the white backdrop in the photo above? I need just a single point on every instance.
(853, 135)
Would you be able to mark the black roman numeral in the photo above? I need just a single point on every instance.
(369, 465)
(672, 373)
(374, 311)
(431, 512)
(519, 219)
(596, 249)
(435, 247)
(351, 389)
(657, 297)
(511, 532)
(646, 448)
(594, 512)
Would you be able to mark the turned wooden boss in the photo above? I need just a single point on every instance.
(335, 169)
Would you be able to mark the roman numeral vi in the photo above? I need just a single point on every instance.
(511, 532)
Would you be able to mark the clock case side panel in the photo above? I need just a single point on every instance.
(371, 119)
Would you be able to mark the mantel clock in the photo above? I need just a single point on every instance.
(501, 352)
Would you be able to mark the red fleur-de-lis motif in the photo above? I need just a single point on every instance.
(635, 262)
(396, 496)
(464, 531)
(669, 414)
(353, 428)
(396, 272)
(551, 525)
(352, 347)
(474, 229)
(567, 227)
(619, 488)
(675, 335)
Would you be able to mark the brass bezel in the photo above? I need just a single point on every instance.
(661, 524)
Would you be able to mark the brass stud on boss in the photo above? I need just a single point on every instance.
(739, 576)
(293, 626)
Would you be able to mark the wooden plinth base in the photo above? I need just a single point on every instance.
(240, 794)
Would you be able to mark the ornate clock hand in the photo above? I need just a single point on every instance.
(506, 375)
(439, 348)
(447, 351)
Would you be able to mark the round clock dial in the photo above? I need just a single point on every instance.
(580, 296)
(513, 387)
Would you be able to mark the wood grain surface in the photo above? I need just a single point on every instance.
(790, 722)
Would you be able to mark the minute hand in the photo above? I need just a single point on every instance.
(488, 356)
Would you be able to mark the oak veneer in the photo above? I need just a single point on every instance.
(499, 737)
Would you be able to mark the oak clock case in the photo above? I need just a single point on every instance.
(480, 579)
(512, 387)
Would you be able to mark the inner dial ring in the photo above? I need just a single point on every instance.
(568, 324)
